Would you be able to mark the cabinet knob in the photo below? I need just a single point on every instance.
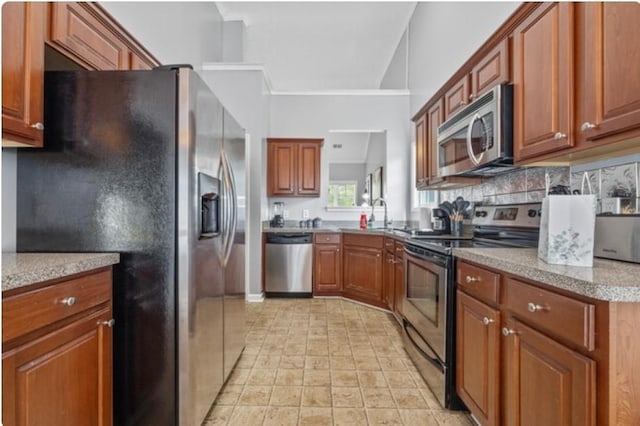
(534, 307)
(378, 255)
(472, 97)
(487, 321)
(462, 103)
(109, 323)
(587, 126)
(37, 126)
(558, 136)
(470, 279)
(69, 301)
(507, 331)
(338, 250)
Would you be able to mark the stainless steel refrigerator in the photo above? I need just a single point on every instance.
(150, 165)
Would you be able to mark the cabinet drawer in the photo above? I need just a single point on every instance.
(399, 247)
(372, 241)
(389, 244)
(478, 282)
(323, 238)
(32, 310)
(563, 316)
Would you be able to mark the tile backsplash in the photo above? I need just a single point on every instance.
(616, 177)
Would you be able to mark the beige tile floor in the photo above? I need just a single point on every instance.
(325, 362)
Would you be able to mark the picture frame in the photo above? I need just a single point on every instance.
(376, 184)
(367, 186)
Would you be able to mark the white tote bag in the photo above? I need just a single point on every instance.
(567, 226)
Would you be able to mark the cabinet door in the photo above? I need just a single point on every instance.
(543, 81)
(477, 363)
(493, 69)
(610, 34)
(400, 286)
(62, 378)
(457, 96)
(327, 271)
(421, 152)
(281, 172)
(363, 273)
(308, 169)
(23, 30)
(546, 383)
(435, 119)
(388, 294)
(85, 39)
(137, 62)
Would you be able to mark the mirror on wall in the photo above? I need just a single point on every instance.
(356, 164)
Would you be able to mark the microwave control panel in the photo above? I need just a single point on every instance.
(516, 215)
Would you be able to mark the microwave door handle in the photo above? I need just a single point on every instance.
(475, 160)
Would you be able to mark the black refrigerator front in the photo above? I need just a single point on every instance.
(131, 165)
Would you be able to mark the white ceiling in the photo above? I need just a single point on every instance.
(321, 45)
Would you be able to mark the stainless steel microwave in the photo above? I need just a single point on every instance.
(478, 140)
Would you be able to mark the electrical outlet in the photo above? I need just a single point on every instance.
(285, 213)
(305, 214)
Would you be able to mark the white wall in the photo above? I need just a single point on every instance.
(175, 32)
(244, 95)
(442, 36)
(313, 115)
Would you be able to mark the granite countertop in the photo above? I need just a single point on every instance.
(607, 280)
(368, 231)
(22, 269)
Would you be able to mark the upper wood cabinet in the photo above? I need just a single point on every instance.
(293, 167)
(83, 38)
(543, 52)
(435, 117)
(457, 96)
(23, 33)
(422, 158)
(608, 90)
(491, 70)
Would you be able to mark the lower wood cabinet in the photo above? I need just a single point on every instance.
(363, 272)
(59, 371)
(530, 354)
(478, 358)
(400, 286)
(327, 265)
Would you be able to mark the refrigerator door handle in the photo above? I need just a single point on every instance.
(224, 209)
(233, 217)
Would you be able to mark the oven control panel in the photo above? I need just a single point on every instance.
(516, 215)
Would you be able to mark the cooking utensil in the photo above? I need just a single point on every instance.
(447, 206)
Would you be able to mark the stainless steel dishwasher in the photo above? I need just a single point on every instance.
(288, 264)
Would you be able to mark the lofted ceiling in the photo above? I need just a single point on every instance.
(321, 45)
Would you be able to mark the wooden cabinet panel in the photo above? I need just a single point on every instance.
(363, 240)
(543, 52)
(478, 361)
(435, 116)
(546, 382)
(23, 34)
(137, 62)
(326, 238)
(492, 70)
(545, 310)
(363, 273)
(388, 293)
(483, 284)
(308, 169)
(457, 96)
(327, 270)
(422, 148)
(609, 35)
(281, 168)
(81, 36)
(293, 167)
(399, 282)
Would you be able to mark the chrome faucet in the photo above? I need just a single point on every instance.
(372, 218)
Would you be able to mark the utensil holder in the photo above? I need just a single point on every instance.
(456, 228)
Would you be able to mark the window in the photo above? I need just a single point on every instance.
(342, 194)
(421, 198)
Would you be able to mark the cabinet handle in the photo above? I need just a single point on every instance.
(487, 321)
(109, 323)
(534, 307)
(587, 126)
(37, 126)
(472, 97)
(470, 279)
(69, 301)
(337, 250)
(461, 103)
(507, 331)
(378, 255)
(558, 136)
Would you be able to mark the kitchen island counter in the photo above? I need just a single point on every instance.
(23, 269)
(607, 280)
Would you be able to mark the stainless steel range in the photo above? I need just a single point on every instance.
(429, 304)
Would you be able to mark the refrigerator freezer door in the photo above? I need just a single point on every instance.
(200, 286)
(234, 294)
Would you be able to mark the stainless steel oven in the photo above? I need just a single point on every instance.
(428, 320)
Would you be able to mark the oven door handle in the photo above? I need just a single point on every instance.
(433, 359)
